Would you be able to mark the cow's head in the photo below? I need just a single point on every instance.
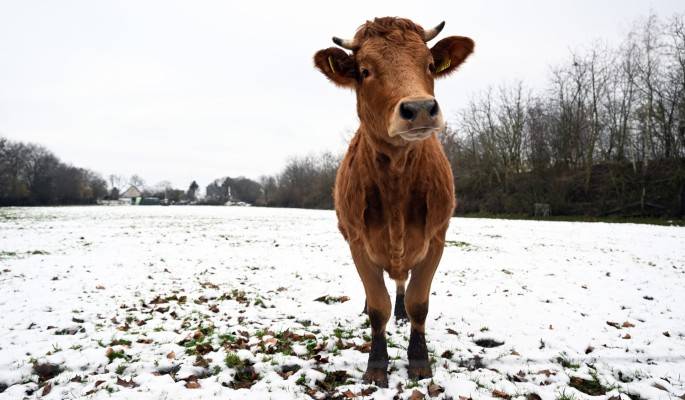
(392, 71)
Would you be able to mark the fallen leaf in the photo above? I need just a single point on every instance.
(47, 388)
(171, 355)
(128, 384)
(500, 394)
(628, 325)
(434, 390)
(192, 385)
(416, 395)
(626, 336)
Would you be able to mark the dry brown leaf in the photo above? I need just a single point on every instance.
(192, 385)
(47, 388)
(416, 395)
(434, 390)
(171, 355)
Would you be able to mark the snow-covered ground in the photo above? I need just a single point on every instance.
(205, 302)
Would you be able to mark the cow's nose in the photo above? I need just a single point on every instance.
(409, 110)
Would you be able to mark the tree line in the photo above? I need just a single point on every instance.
(304, 182)
(606, 135)
(32, 175)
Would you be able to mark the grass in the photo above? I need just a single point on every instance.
(114, 354)
(566, 362)
(565, 396)
(582, 218)
(120, 369)
(232, 360)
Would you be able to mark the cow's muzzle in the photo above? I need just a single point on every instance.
(416, 118)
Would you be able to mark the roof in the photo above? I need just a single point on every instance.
(131, 192)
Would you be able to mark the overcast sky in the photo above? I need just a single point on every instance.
(201, 89)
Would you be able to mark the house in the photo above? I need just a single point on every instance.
(131, 194)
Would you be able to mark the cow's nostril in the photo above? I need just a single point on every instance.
(434, 109)
(408, 111)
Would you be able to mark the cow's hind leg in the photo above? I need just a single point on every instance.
(400, 309)
(378, 306)
(416, 301)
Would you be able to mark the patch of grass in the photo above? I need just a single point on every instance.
(114, 354)
(592, 387)
(342, 333)
(259, 302)
(232, 360)
(566, 362)
(412, 383)
(226, 338)
(565, 396)
(121, 342)
(120, 369)
(582, 218)
(456, 243)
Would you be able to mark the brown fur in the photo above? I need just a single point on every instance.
(393, 198)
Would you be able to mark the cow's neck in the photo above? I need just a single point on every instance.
(390, 162)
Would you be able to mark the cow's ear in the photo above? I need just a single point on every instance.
(449, 53)
(337, 65)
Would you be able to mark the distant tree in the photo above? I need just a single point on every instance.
(137, 181)
(191, 194)
(33, 175)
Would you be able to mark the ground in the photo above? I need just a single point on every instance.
(255, 303)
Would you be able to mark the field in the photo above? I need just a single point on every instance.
(254, 303)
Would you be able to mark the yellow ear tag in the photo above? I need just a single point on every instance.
(330, 63)
(445, 64)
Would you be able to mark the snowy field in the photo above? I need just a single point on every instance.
(220, 302)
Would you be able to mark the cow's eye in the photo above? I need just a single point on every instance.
(365, 73)
(431, 68)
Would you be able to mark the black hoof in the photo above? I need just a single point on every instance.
(417, 353)
(376, 376)
(400, 310)
(419, 369)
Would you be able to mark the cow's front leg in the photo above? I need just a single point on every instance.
(378, 305)
(416, 301)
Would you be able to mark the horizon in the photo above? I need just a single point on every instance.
(104, 89)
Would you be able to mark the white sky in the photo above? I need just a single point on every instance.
(179, 91)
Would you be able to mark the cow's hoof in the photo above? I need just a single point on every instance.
(400, 309)
(401, 314)
(376, 376)
(419, 370)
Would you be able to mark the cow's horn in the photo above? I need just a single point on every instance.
(348, 44)
(433, 32)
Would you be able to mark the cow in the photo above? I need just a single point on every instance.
(394, 191)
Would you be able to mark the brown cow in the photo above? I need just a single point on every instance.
(394, 194)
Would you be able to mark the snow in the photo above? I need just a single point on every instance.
(569, 301)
